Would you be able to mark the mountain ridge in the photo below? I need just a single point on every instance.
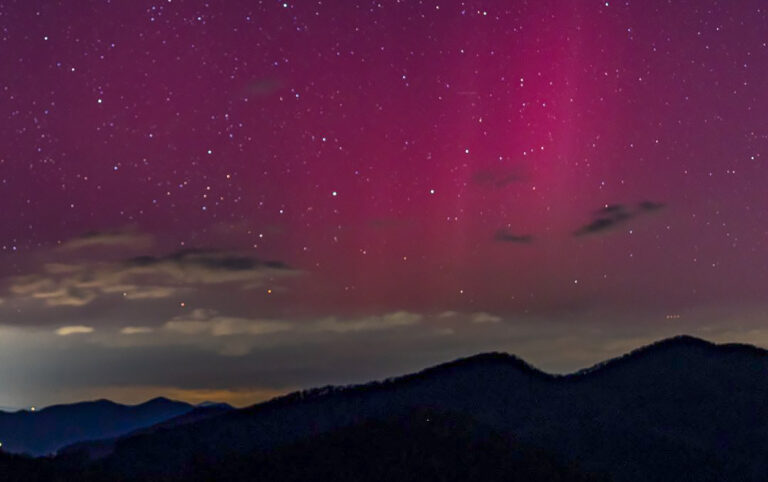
(504, 358)
(43, 431)
(680, 408)
(671, 395)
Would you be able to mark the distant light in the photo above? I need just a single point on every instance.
(32, 409)
(182, 304)
(431, 191)
(99, 101)
(269, 291)
(334, 193)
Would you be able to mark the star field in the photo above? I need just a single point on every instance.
(573, 174)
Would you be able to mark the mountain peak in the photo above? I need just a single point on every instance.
(158, 401)
(681, 340)
(485, 359)
(680, 343)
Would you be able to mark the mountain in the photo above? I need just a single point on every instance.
(93, 449)
(45, 431)
(679, 409)
(209, 404)
(421, 446)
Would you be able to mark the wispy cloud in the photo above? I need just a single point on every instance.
(74, 330)
(136, 330)
(203, 322)
(369, 323)
(119, 238)
(612, 215)
(483, 317)
(82, 282)
(206, 267)
(209, 322)
(506, 236)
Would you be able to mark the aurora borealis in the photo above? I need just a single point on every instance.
(236, 199)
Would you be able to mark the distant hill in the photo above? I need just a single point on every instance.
(214, 404)
(45, 431)
(93, 449)
(680, 409)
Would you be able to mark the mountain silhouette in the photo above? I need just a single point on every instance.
(679, 409)
(44, 431)
(93, 449)
(421, 446)
(208, 404)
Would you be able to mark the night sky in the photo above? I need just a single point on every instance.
(234, 199)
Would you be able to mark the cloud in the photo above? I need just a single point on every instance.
(201, 323)
(134, 292)
(124, 239)
(482, 317)
(74, 330)
(209, 322)
(650, 206)
(77, 284)
(71, 297)
(506, 236)
(50, 291)
(596, 226)
(370, 323)
(238, 336)
(136, 330)
(207, 267)
(613, 215)
(477, 317)
(617, 210)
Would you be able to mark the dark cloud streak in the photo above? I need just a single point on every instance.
(612, 215)
(497, 178)
(209, 259)
(505, 236)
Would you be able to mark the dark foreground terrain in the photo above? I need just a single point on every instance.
(422, 446)
(680, 409)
